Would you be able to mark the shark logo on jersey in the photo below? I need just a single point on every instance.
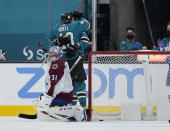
(28, 54)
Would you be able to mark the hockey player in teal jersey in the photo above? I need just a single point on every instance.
(71, 36)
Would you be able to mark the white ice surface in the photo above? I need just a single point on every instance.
(18, 124)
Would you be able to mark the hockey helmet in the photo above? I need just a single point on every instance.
(66, 18)
(54, 54)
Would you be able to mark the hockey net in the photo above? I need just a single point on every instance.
(129, 85)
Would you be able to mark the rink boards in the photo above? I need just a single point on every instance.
(21, 83)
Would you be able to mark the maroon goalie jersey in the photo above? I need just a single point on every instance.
(58, 80)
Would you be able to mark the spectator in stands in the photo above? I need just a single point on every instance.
(164, 44)
(2, 57)
(129, 44)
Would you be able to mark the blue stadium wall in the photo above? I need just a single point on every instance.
(23, 23)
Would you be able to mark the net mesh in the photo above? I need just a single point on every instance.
(128, 59)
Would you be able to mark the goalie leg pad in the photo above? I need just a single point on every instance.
(65, 113)
(47, 116)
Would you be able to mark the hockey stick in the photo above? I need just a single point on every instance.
(148, 22)
(75, 63)
(27, 116)
(81, 5)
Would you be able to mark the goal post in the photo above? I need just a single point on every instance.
(128, 85)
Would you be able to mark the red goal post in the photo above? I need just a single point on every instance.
(117, 61)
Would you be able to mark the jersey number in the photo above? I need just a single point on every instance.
(53, 77)
(69, 34)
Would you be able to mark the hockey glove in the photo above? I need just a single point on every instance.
(71, 50)
(76, 15)
(73, 47)
(63, 40)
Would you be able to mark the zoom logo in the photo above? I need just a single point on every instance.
(113, 74)
(106, 82)
(24, 91)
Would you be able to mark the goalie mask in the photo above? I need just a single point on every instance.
(54, 54)
(66, 18)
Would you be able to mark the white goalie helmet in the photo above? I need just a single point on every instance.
(54, 54)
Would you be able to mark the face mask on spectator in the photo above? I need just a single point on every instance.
(130, 36)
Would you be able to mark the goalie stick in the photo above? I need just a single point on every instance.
(34, 116)
(27, 116)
